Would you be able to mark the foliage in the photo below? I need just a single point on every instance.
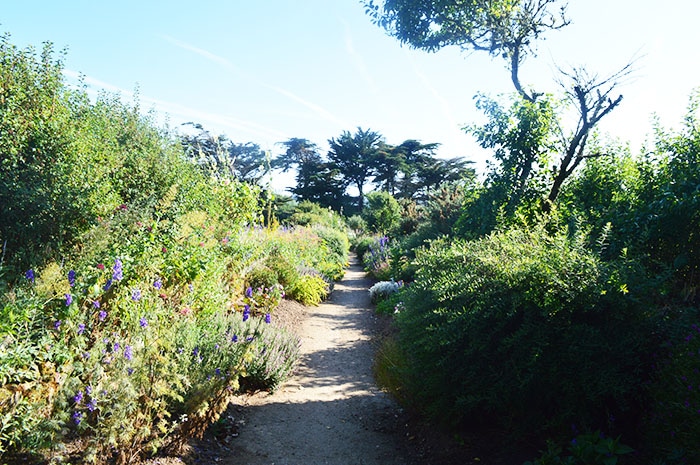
(509, 329)
(352, 155)
(585, 449)
(383, 212)
(382, 290)
(309, 289)
(673, 422)
(376, 259)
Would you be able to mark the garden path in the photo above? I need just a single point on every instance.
(330, 411)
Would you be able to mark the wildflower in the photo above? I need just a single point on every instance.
(268, 319)
(249, 292)
(130, 371)
(102, 315)
(78, 397)
(57, 325)
(246, 313)
(217, 372)
(77, 417)
(96, 303)
(88, 390)
(71, 278)
(92, 405)
(185, 311)
(115, 347)
(127, 353)
(69, 299)
(86, 355)
(81, 328)
(143, 322)
(100, 266)
(195, 351)
(136, 295)
(234, 338)
(29, 274)
(158, 283)
(107, 285)
(164, 250)
(117, 270)
(191, 287)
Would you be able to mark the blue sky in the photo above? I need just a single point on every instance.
(267, 70)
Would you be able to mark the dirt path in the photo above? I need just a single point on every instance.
(331, 411)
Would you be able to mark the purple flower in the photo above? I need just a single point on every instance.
(136, 295)
(88, 390)
(102, 315)
(92, 405)
(107, 285)
(77, 417)
(29, 274)
(71, 278)
(96, 303)
(117, 270)
(81, 328)
(158, 283)
(69, 299)
(217, 372)
(57, 325)
(130, 371)
(246, 313)
(268, 319)
(115, 347)
(143, 322)
(249, 292)
(127, 353)
(77, 398)
(234, 338)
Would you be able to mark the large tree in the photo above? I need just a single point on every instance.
(316, 180)
(508, 29)
(353, 156)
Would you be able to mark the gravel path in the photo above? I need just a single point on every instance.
(331, 411)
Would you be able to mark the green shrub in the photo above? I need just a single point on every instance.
(308, 289)
(383, 212)
(585, 449)
(524, 330)
(361, 246)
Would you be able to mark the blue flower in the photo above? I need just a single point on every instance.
(143, 322)
(102, 315)
(71, 278)
(81, 328)
(234, 338)
(29, 274)
(107, 285)
(115, 347)
(96, 303)
(136, 295)
(249, 292)
(158, 283)
(57, 325)
(117, 270)
(92, 405)
(69, 299)
(127, 353)
(246, 313)
(77, 417)
(78, 397)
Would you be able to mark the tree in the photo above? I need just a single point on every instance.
(222, 157)
(316, 180)
(507, 29)
(353, 156)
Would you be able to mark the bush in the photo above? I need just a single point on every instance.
(383, 212)
(526, 331)
(383, 290)
(376, 259)
(308, 290)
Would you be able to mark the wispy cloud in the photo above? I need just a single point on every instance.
(442, 102)
(358, 61)
(176, 110)
(317, 109)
